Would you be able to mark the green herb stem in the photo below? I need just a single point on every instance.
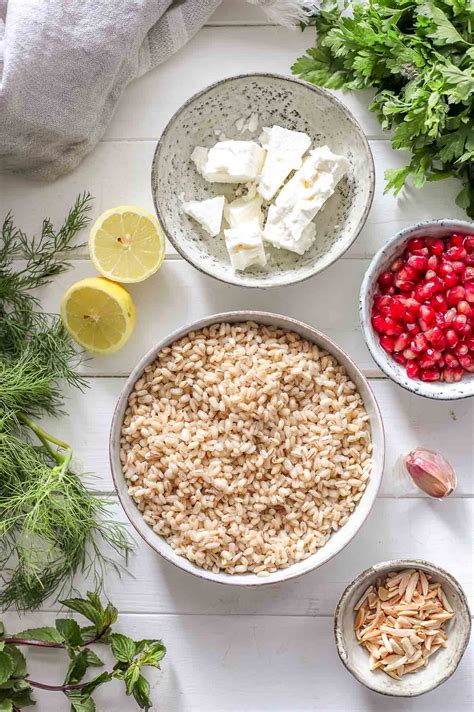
(47, 439)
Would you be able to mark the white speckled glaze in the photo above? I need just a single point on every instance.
(280, 100)
(441, 665)
(382, 260)
(338, 540)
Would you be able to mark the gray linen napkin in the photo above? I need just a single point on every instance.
(65, 63)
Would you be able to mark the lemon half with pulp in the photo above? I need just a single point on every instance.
(98, 314)
(127, 244)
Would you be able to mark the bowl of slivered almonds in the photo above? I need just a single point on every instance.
(402, 627)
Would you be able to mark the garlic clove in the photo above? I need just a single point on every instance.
(431, 472)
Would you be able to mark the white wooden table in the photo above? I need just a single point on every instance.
(270, 649)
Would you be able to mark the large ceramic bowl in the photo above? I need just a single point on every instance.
(440, 667)
(271, 99)
(381, 262)
(338, 540)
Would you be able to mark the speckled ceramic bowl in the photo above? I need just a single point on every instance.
(382, 260)
(441, 665)
(274, 99)
(338, 540)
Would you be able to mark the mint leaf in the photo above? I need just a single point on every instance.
(6, 706)
(6, 666)
(46, 634)
(89, 687)
(130, 677)
(69, 631)
(80, 702)
(19, 662)
(93, 659)
(152, 654)
(86, 609)
(141, 693)
(77, 668)
(122, 647)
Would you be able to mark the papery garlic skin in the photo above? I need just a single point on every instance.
(431, 472)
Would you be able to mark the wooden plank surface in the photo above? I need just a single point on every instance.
(251, 663)
(118, 172)
(408, 424)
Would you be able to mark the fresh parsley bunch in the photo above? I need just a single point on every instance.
(16, 687)
(420, 57)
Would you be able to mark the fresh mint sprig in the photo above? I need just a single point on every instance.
(131, 656)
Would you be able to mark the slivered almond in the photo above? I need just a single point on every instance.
(400, 621)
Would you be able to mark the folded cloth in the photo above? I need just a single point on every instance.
(65, 63)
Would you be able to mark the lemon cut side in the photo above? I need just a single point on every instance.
(127, 244)
(98, 314)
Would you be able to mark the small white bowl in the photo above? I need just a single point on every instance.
(338, 540)
(272, 99)
(381, 262)
(441, 665)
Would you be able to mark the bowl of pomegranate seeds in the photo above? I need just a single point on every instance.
(417, 309)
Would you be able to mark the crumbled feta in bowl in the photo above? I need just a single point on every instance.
(279, 152)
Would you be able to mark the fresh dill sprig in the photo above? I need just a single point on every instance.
(51, 524)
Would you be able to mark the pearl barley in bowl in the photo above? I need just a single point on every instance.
(247, 448)
(417, 309)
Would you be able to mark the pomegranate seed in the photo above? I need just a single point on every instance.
(465, 332)
(469, 292)
(404, 285)
(464, 308)
(423, 325)
(430, 375)
(439, 320)
(430, 274)
(401, 342)
(417, 262)
(467, 362)
(428, 314)
(468, 275)
(454, 295)
(426, 362)
(419, 343)
(397, 265)
(413, 329)
(400, 358)
(409, 354)
(450, 316)
(439, 303)
(470, 344)
(408, 273)
(435, 245)
(416, 243)
(434, 263)
(461, 350)
(385, 279)
(387, 342)
(451, 360)
(458, 267)
(392, 328)
(397, 308)
(459, 322)
(413, 370)
(469, 242)
(450, 280)
(440, 363)
(469, 260)
(436, 337)
(451, 338)
(456, 240)
(445, 268)
(451, 375)
(434, 354)
(378, 322)
(456, 253)
(412, 307)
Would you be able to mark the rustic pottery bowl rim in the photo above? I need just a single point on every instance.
(358, 517)
(288, 279)
(373, 572)
(392, 369)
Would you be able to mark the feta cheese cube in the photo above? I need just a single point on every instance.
(285, 149)
(243, 210)
(245, 246)
(233, 162)
(199, 158)
(276, 234)
(208, 213)
(303, 196)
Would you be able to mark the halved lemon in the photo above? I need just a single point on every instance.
(98, 314)
(127, 244)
